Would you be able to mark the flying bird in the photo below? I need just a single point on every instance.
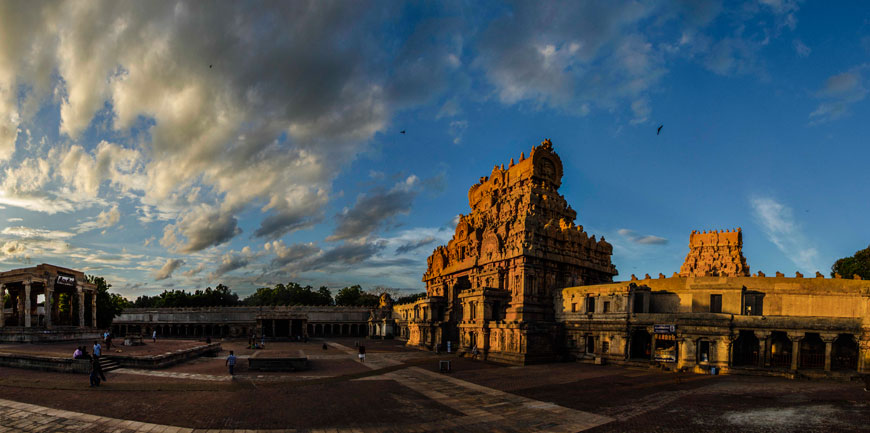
(402, 132)
(209, 66)
(659, 131)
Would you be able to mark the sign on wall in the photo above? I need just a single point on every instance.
(664, 329)
(66, 281)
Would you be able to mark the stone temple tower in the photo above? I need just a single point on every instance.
(491, 287)
(715, 254)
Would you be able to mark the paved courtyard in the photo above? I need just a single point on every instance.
(399, 389)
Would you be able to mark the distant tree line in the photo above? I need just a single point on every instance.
(282, 294)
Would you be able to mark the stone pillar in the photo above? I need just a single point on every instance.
(763, 349)
(273, 327)
(94, 309)
(795, 349)
(81, 295)
(2, 305)
(27, 304)
(652, 346)
(829, 345)
(48, 304)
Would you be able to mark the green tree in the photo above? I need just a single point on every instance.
(109, 305)
(355, 296)
(857, 264)
(410, 298)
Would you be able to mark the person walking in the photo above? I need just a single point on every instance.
(362, 353)
(97, 349)
(231, 362)
(94, 376)
(154, 336)
(99, 370)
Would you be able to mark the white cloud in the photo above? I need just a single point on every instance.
(780, 226)
(801, 49)
(839, 92)
(105, 219)
(633, 236)
(167, 269)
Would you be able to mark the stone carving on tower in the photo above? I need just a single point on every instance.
(492, 285)
(715, 253)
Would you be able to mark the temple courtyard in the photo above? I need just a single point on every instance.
(400, 389)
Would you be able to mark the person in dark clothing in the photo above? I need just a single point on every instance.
(324, 346)
(98, 369)
(94, 375)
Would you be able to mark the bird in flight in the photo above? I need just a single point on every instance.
(209, 66)
(659, 131)
(402, 132)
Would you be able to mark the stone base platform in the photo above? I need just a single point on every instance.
(57, 355)
(19, 334)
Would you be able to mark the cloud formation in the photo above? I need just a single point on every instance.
(167, 269)
(780, 227)
(633, 236)
(839, 92)
(371, 211)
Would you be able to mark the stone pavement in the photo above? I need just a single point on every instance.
(482, 408)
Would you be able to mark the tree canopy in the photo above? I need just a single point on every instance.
(221, 296)
(290, 294)
(857, 264)
(355, 296)
(109, 305)
(407, 299)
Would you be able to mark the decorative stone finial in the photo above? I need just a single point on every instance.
(661, 276)
(780, 274)
(761, 274)
(633, 277)
(837, 275)
(856, 277)
(819, 275)
(798, 275)
(646, 277)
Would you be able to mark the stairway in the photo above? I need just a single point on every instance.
(108, 364)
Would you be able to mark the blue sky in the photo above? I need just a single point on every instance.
(179, 145)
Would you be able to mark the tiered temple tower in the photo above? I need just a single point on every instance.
(491, 287)
(717, 253)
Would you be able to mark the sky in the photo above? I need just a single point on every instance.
(181, 145)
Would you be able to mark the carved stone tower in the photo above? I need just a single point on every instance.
(717, 253)
(491, 287)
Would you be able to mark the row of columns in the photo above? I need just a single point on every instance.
(24, 305)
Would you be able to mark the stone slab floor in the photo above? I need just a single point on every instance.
(400, 390)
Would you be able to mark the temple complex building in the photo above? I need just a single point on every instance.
(491, 287)
(280, 322)
(520, 282)
(47, 303)
(713, 315)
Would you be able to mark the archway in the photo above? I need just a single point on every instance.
(780, 350)
(746, 350)
(812, 351)
(844, 353)
(641, 345)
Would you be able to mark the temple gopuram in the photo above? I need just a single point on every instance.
(715, 253)
(491, 287)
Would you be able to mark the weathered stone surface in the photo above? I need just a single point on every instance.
(717, 253)
(491, 286)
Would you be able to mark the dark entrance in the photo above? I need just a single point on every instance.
(844, 353)
(812, 351)
(746, 350)
(641, 345)
(780, 350)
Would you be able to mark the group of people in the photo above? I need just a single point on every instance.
(96, 370)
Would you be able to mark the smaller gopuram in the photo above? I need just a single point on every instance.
(715, 254)
(48, 303)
